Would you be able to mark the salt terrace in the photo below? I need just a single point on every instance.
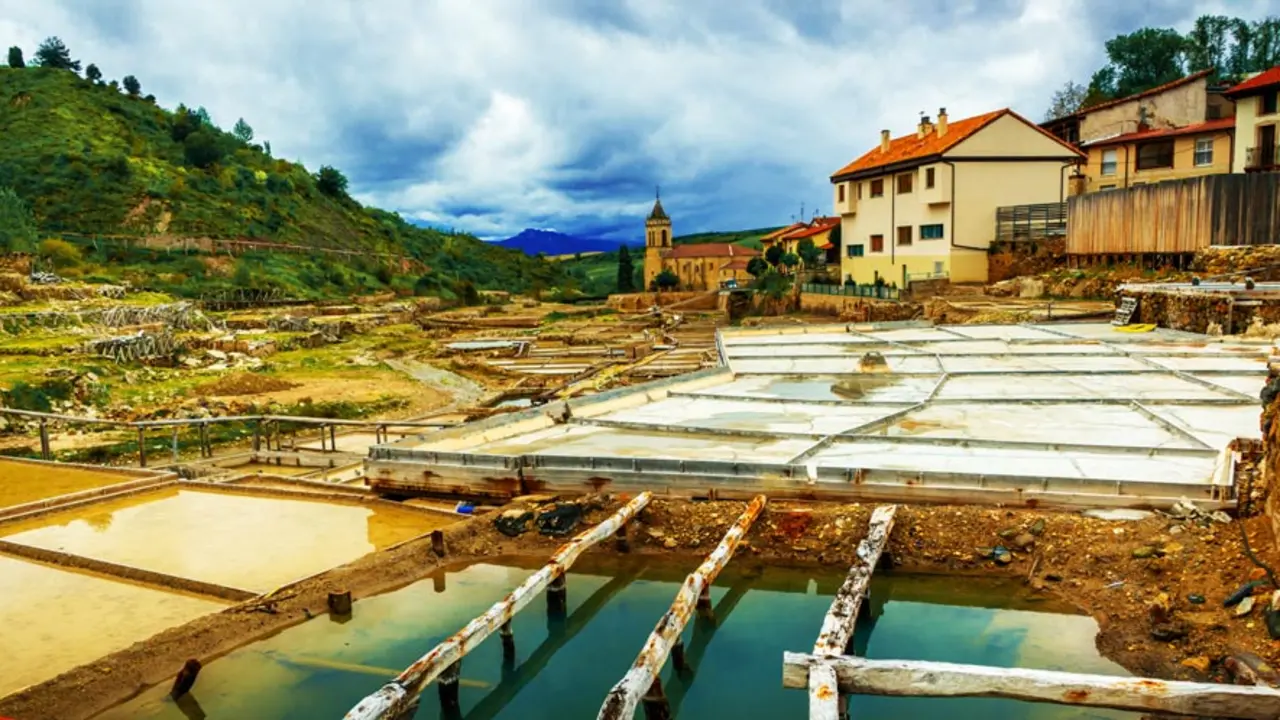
(1062, 414)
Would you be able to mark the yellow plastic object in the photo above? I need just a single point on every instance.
(1135, 328)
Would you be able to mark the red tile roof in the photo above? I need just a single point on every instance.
(739, 264)
(1261, 81)
(782, 231)
(1147, 93)
(817, 227)
(1224, 125)
(911, 147)
(700, 250)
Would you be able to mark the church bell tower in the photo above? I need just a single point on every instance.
(657, 240)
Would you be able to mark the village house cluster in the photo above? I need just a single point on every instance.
(930, 204)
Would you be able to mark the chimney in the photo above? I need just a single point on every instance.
(884, 141)
(942, 122)
(925, 127)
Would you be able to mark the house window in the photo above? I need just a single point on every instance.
(1108, 162)
(1268, 103)
(928, 178)
(1106, 187)
(904, 234)
(854, 251)
(1204, 152)
(1155, 155)
(904, 183)
(877, 243)
(927, 232)
(840, 192)
(877, 188)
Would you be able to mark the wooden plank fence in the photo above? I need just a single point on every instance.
(1176, 216)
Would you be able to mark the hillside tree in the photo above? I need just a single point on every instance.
(17, 224)
(242, 131)
(131, 85)
(757, 266)
(626, 271)
(791, 260)
(203, 148)
(666, 280)
(1066, 100)
(1207, 44)
(53, 53)
(15, 57)
(810, 253)
(331, 182)
(203, 116)
(92, 73)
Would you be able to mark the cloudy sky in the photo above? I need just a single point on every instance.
(494, 115)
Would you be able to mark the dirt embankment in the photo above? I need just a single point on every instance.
(1114, 570)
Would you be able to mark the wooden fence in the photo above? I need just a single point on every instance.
(1176, 216)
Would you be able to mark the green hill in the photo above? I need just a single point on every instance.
(747, 238)
(98, 166)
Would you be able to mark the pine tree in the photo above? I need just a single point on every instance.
(242, 131)
(93, 73)
(53, 53)
(626, 271)
(131, 85)
(15, 57)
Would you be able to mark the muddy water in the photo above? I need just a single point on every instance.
(54, 619)
(27, 482)
(252, 543)
(564, 669)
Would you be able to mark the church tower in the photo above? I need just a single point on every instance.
(657, 240)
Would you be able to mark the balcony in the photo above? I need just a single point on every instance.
(1262, 158)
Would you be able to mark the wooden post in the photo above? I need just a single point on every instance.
(333, 438)
(323, 435)
(677, 655)
(920, 678)
(508, 641)
(257, 436)
(656, 706)
(45, 453)
(666, 639)
(448, 684)
(437, 542)
(704, 604)
(623, 539)
(206, 450)
(142, 446)
(340, 602)
(175, 444)
(395, 696)
(186, 679)
(557, 596)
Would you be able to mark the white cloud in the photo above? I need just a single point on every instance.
(493, 116)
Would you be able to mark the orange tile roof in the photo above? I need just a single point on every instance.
(699, 250)
(1261, 81)
(739, 264)
(817, 227)
(1147, 93)
(911, 147)
(1224, 124)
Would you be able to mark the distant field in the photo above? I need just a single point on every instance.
(574, 256)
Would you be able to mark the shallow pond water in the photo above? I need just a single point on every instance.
(242, 541)
(23, 482)
(563, 670)
(55, 619)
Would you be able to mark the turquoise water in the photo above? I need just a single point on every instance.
(564, 669)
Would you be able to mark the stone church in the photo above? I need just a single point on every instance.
(698, 266)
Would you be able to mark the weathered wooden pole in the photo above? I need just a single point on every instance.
(323, 436)
(393, 698)
(920, 678)
(626, 695)
(624, 539)
(333, 438)
(257, 436)
(142, 445)
(175, 443)
(508, 641)
(437, 542)
(340, 602)
(837, 626)
(677, 655)
(45, 453)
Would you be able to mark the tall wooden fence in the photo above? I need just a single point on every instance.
(1176, 216)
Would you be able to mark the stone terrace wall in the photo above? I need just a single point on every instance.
(859, 309)
(1199, 312)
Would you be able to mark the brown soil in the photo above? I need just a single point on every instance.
(243, 384)
(1086, 562)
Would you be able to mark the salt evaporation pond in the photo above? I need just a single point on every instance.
(563, 670)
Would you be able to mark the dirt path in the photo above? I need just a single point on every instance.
(464, 392)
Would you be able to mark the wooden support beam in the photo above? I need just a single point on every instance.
(397, 695)
(920, 678)
(621, 702)
(656, 706)
(45, 453)
(837, 626)
(142, 447)
(824, 693)
(333, 438)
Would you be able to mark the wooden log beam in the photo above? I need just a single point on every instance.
(837, 626)
(624, 698)
(394, 698)
(920, 678)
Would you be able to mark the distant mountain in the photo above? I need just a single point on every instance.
(532, 242)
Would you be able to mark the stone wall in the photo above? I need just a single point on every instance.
(925, 289)
(1009, 260)
(858, 308)
(639, 302)
(1200, 312)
